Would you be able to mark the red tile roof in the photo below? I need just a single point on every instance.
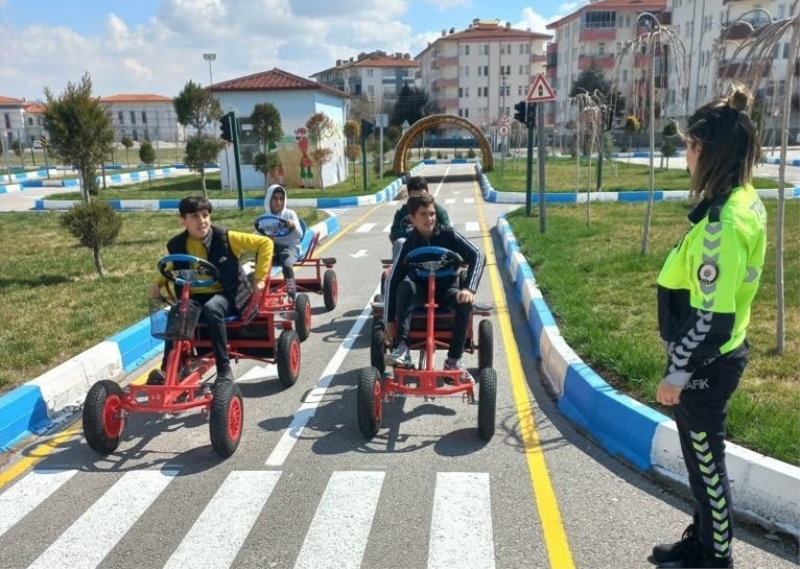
(273, 80)
(382, 61)
(34, 108)
(10, 101)
(134, 98)
(641, 5)
(483, 30)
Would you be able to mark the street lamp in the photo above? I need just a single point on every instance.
(210, 57)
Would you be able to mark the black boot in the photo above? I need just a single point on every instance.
(678, 551)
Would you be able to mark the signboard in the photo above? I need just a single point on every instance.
(540, 91)
(502, 130)
(504, 119)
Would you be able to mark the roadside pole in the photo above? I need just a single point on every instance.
(542, 155)
(529, 171)
(237, 161)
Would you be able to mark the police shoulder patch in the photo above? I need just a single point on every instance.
(707, 273)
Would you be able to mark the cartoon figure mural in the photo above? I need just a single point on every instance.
(306, 166)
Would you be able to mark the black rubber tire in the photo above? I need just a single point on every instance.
(487, 403)
(485, 344)
(330, 289)
(376, 348)
(226, 420)
(102, 425)
(369, 404)
(288, 357)
(302, 305)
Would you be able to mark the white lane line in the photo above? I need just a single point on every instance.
(97, 531)
(259, 373)
(309, 406)
(439, 187)
(219, 532)
(472, 227)
(388, 228)
(339, 531)
(469, 200)
(449, 201)
(461, 523)
(366, 228)
(21, 499)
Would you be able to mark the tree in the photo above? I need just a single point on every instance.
(410, 106)
(200, 150)
(196, 107)
(668, 147)
(321, 127)
(352, 133)
(127, 142)
(353, 152)
(95, 225)
(266, 120)
(147, 154)
(80, 131)
(590, 80)
(632, 126)
(265, 163)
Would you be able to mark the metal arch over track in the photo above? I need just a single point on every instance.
(402, 148)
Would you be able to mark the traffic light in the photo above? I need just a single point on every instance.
(225, 127)
(531, 118)
(520, 110)
(367, 128)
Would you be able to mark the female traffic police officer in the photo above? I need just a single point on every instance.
(705, 290)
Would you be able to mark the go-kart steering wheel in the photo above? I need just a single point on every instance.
(437, 260)
(190, 276)
(271, 225)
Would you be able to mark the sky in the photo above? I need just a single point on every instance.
(157, 46)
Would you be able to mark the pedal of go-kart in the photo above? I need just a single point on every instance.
(482, 307)
(328, 261)
(386, 262)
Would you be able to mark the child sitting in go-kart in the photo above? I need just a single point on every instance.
(401, 225)
(287, 247)
(231, 294)
(457, 292)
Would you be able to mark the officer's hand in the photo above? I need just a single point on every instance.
(668, 394)
(465, 296)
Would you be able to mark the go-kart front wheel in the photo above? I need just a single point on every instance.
(487, 403)
(226, 420)
(288, 357)
(485, 344)
(369, 402)
(376, 348)
(103, 421)
(302, 305)
(330, 289)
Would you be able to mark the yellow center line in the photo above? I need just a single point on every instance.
(555, 536)
(349, 228)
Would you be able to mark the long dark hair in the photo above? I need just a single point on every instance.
(730, 146)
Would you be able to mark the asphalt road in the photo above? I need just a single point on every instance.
(305, 490)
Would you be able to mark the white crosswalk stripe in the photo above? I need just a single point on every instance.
(96, 532)
(31, 491)
(461, 530)
(472, 227)
(387, 229)
(211, 544)
(366, 228)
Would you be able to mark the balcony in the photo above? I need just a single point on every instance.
(448, 105)
(599, 61)
(737, 69)
(539, 58)
(552, 48)
(601, 34)
(444, 83)
(442, 61)
(551, 72)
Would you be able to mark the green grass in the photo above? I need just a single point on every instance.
(562, 175)
(54, 304)
(602, 293)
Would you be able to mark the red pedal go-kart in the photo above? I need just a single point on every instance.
(321, 283)
(431, 329)
(253, 336)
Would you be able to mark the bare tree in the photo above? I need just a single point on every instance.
(750, 64)
(321, 127)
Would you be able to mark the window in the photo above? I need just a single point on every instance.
(30, 121)
(7, 118)
(466, 113)
(624, 75)
(144, 117)
(389, 73)
(370, 72)
(133, 117)
(502, 49)
(460, 92)
(466, 49)
(466, 92)
(601, 48)
(121, 117)
(486, 70)
(599, 19)
(521, 48)
(786, 50)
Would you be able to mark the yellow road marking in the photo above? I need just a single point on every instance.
(555, 536)
(349, 228)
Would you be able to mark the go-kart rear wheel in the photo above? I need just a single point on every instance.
(369, 402)
(103, 421)
(487, 403)
(330, 289)
(485, 344)
(226, 420)
(288, 357)
(302, 305)
(376, 348)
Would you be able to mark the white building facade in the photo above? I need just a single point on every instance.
(144, 117)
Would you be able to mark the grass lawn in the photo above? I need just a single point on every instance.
(603, 294)
(562, 175)
(54, 304)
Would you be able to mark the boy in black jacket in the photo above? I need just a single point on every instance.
(401, 225)
(457, 292)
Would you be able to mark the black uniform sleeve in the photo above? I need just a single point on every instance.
(396, 276)
(473, 256)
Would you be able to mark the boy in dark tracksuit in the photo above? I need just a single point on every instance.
(401, 225)
(222, 248)
(705, 291)
(458, 292)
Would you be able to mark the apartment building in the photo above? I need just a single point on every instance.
(21, 120)
(373, 80)
(479, 73)
(593, 36)
(144, 117)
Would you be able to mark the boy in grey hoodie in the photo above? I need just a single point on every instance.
(287, 243)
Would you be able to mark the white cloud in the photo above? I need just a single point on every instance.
(447, 4)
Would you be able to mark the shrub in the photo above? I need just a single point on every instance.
(95, 225)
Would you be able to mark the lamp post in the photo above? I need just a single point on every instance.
(210, 57)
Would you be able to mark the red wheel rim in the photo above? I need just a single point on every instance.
(308, 315)
(112, 416)
(377, 400)
(335, 289)
(294, 357)
(235, 419)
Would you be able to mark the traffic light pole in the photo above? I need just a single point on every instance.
(529, 174)
(236, 160)
(542, 156)
(364, 161)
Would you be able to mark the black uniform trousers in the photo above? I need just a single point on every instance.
(701, 418)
